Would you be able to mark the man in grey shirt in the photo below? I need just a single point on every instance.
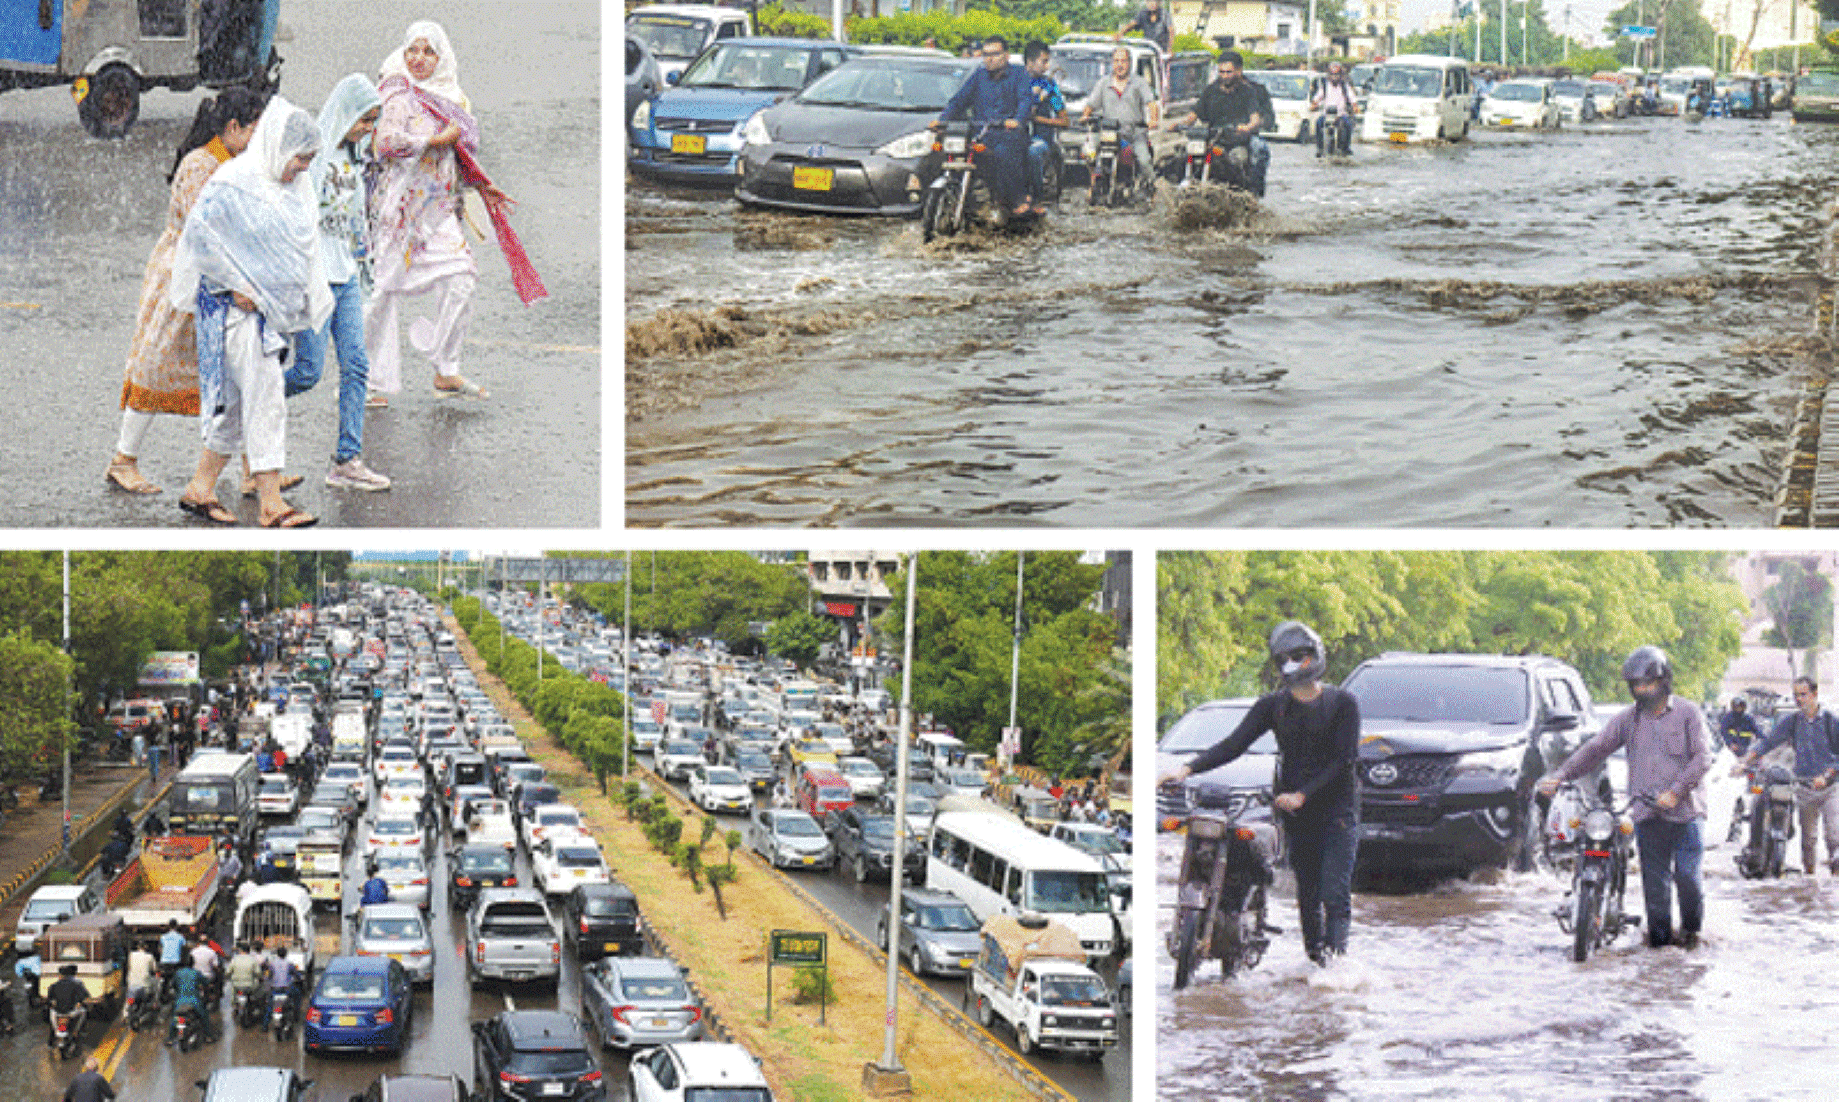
(1813, 731)
(1125, 99)
(1669, 753)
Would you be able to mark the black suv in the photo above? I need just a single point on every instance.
(603, 921)
(531, 1055)
(865, 842)
(478, 867)
(1451, 747)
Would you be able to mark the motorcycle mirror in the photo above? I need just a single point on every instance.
(201, 1084)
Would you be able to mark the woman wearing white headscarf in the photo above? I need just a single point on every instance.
(415, 219)
(248, 265)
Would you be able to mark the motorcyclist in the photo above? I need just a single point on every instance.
(67, 996)
(27, 969)
(246, 973)
(207, 960)
(172, 953)
(376, 890)
(1737, 727)
(1239, 108)
(996, 95)
(1047, 109)
(140, 972)
(1336, 92)
(282, 975)
(1125, 99)
(188, 998)
(1669, 753)
(1318, 737)
(1814, 733)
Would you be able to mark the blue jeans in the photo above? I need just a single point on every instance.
(1038, 149)
(1008, 159)
(1339, 131)
(346, 331)
(1670, 857)
(1322, 857)
(1260, 151)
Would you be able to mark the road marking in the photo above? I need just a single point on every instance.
(121, 1042)
(509, 1003)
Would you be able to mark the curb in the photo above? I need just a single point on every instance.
(14, 886)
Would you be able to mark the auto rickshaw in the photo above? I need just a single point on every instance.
(97, 944)
(110, 51)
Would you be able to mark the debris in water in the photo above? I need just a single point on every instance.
(1212, 206)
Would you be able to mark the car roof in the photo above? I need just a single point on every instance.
(531, 1028)
(60, 891)
(227, 1084)
(1497, 661)
(390, 910)
(358, 966)
(611, 891)
(702, 11)
(419, 1088)
(709, 1063)
(645, 966)
(929, 897)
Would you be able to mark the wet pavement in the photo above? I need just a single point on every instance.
(1607, 326)
(79, 216)
(1468, 990)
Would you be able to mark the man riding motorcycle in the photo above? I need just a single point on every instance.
(67, 996)
(188, 998)
(997, 96)
(1239, 108)
(1125, 99)
(1337, 92)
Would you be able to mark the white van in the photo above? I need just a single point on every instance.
(1418, 98)
(998, 866)
(938, 747)
(1290, 91)
(676, 33)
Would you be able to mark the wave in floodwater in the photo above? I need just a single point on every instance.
(1608, 326)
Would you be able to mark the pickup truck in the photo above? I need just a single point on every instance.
(280, 916)
(172, 879)
(510, 937)
(1031, 973)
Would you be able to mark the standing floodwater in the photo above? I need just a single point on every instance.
(1601, 327)
(1467, 990)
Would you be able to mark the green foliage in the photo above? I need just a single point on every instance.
(680, 594)
(719, 876)
(629, 797)
(774, 19)
(34, 721)
(798, 637)
(953, 33)
(1801, 605)
(1182, 43)
(811, 983)
(1685, 37)
(1590, 608)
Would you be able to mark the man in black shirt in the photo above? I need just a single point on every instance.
(89, 1085)
(1318, 738)
(1241, 108)
(66, 996)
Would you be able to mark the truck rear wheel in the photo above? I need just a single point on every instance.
(986, 1017)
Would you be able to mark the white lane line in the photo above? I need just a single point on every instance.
(509, 1003)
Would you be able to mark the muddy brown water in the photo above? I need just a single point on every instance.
(1606, 326)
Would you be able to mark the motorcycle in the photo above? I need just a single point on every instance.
(245, 1010)
(1114, 175)
(67, 1031)
(1337, 129)
(1212, 155)
(143, 1009)
(1771, 822)
(949, 205)
(187, 1028)
(1226, 870)
(1592, 909)
(281, 1014)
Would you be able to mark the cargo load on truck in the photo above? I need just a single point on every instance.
(280, 916)
(1008, 944)
(174, 878)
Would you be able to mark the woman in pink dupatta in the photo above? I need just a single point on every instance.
(418, 247)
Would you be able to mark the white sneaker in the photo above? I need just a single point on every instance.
(352, 474)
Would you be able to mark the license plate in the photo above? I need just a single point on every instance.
(813, 179)
(965, 963)
(555, 1088)
(611, 947)
(520, 975)
(810, 860)
(689, 143)
(397, 957)
(1508, 122)
(660, 1023)
(347, 1019)
(1399, 136)
(1195, 149)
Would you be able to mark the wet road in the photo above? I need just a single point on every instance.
(861, 905)
(1468, 990)
(78, 217)
(1599, 327)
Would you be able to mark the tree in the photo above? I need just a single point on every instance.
(1801, 605)
(681, 594)
(1684, 37)
(798, 637)
(33, 719)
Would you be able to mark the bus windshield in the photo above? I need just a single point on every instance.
(1063, 892)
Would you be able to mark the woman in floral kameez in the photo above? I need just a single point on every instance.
(415, 214)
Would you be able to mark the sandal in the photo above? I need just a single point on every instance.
(288, 482)
(290, 518)
(377, 401)
(212, 511)
(128, 480)
(466, 389)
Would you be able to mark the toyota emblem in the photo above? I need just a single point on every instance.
(816, 152)
(1382, 773)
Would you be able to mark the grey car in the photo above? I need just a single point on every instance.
(938, 933)
(790, 839)
(632, 1001)
(398, 931)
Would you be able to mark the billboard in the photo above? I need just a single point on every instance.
(170, 667)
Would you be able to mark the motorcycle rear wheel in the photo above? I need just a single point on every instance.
(1187, 933)
(1585, 919)
(1248, 940)
(1772, 856)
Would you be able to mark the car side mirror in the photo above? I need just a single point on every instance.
(672, 78)
(1563, 721)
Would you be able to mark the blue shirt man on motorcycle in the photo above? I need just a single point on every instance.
(1240, 108)
(1048, 116)
(1814, 733)
(1318, 737)
(997, 96)
(188, 998)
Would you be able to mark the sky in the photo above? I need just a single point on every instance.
(1587, 16)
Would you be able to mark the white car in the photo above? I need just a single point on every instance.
(720, 788)
(562, 860)
(491, 823)
(695, 1070)
(394, 830)
(864, 777)
(277, 795)
(550, 819)
(1521, 105)
(397, 761)
(674, 758)
(405, 870)
(350, 773)
(402, 795)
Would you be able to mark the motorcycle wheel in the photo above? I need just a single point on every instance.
(929, 214)
(1772, 856)
(1584, 918)
(1249, 940)
(1187, 932)
(1050, 179)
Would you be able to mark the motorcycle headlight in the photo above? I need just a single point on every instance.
(755, 133)
(641, 119)
(955, 143)
(907, 147)
(1599, 825)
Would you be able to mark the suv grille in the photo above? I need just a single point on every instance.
(1409, 815)
(1414, 771)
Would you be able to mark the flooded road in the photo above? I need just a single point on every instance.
(1468, 990)
(79, 216)
(1600, 327)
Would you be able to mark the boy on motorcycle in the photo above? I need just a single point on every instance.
(1239, 108)
(1126, 100)
(1048, 109)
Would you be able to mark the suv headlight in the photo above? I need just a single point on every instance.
(912, 145)
(754, 133)
(641, 119)
(1505, 762)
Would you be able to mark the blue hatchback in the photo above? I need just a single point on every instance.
(360, 1004)
(692, 130)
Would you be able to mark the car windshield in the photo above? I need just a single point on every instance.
(798, 826)
(49, 910)
(1097, 841)
(1568, 88)
(1075, 991)
(554, 1061)
(1522, 93)
(1677, 86)
(318, 817)
(773, 68)
(723, 776)
(557, 818)
(681, 749)
(606, 906)
(654, 989)
(395, 827)
(1818, 84)
(581, 857)
(1078, 72)
(495, 860)
(276, 788)
(956, 918)
(668, 36)
(393, 862)
(1282, 85)
(886, 86)
(878, 826)
(1406, 80)
(1206, 726)
(919, 805)
(831, 794)
(1066, 892)
(861, 769)
(202, 797)
(1603, 88)
(392, 929)
(1440, 694)
(515, 920)
(753, 759)
(349, 988)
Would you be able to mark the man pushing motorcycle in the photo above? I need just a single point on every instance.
(1318, 737)
(1814, 733)
(1669, 753)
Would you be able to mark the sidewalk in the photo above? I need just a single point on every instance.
(34, 830)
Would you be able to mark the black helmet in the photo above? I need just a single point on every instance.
(1289, 641)
(1648, 663)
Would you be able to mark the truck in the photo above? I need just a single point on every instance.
(1031, 972)
(321, 860)
(348, 733)
(280, 916)
(215, 795)
(174, 879)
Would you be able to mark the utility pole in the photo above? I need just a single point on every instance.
(888, 1071)
(1503, 34)
(1567, 32)
(66, 739)
(1015, 651)
(625, 764)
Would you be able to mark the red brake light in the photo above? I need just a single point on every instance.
(592, 1076)
(385, 1016)
(481, 951)
(463, 881)
(555, 952)
(695, 1013)
(511, 881)
(584, 925)
(419, 880)
(619, 1012)
(313, 1014)
(510, 1076)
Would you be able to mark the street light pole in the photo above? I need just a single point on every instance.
(1015, 649)
(889, 1065)
(66, 739)
(625, 763)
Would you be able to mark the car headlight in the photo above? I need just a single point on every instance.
(1505, 762)
(1050, 1021)
(754, 133)
(641, 119)
(917, 144)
